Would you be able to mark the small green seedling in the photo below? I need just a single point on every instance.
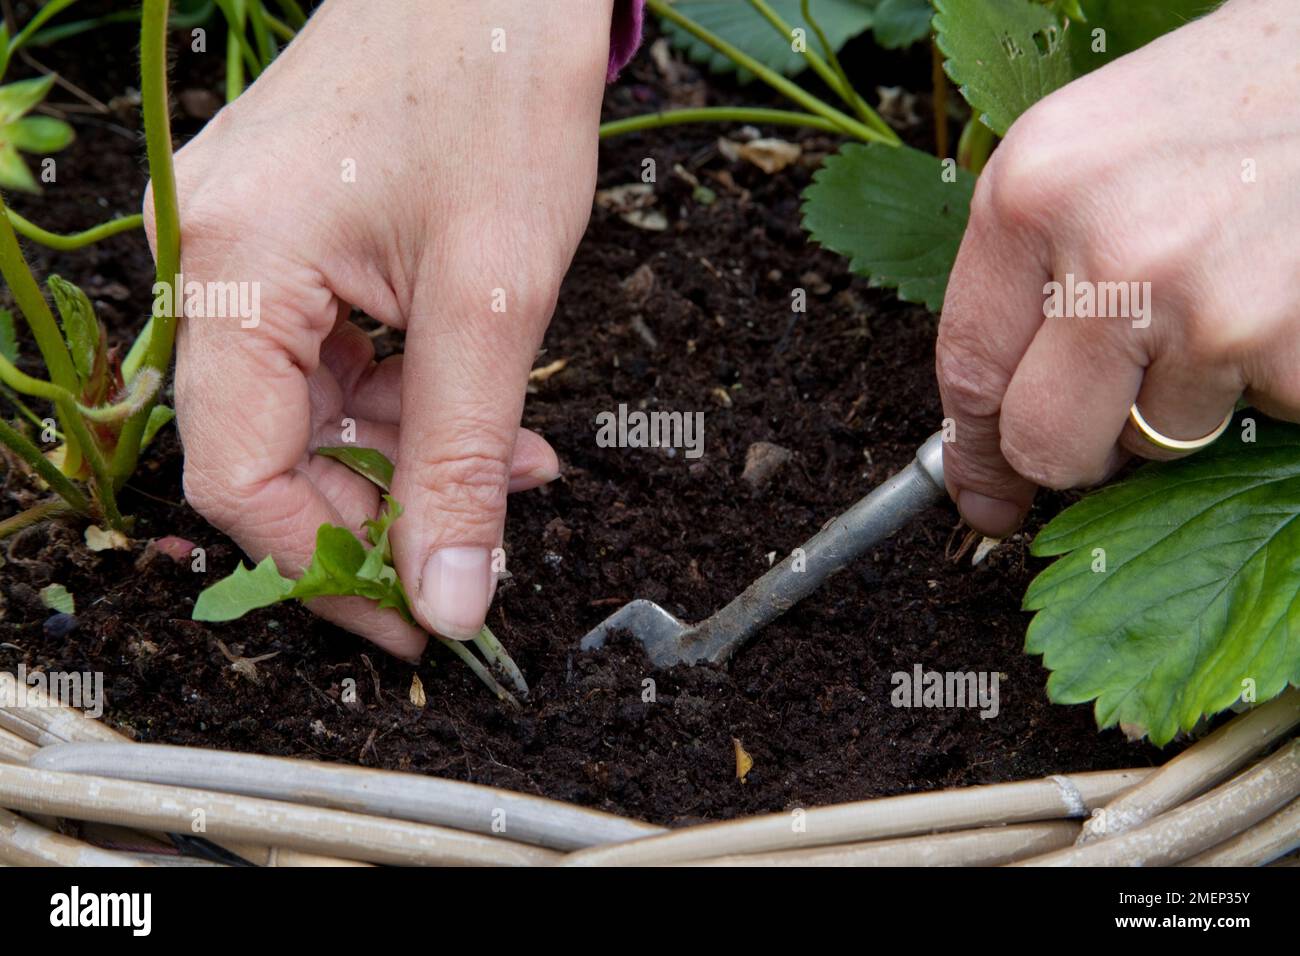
(102, 407)
(343, 565)
(30, 134)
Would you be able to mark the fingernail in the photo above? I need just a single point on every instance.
(533, 479)
(990, 516)
(455, 590)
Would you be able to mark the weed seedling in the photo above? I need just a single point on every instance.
(344, 565)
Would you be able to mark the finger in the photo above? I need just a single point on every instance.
(242, 473)
(463, 384)
(1067, 402)
(1183, 399)
(371, 397)
(992, 310)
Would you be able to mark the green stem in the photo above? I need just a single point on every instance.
(261, 33)
(847, 124)
(279, 28)
(167, 226)
(855, 100)
(476, 665)
(26, 412)
(34, 515)
(237, 47)
(20, 445)
(293, 12)
(66, 242)
(494, 652)
(716, 114)
(832, 74)
(38, 20)
(975, 146)
(31, 302)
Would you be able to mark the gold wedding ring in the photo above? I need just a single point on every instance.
(1175, 444)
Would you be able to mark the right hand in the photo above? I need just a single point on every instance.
(1139, 172)
(388, 160)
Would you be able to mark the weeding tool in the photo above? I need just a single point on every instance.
(668, 641)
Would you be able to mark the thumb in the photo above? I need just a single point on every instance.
(463, 383)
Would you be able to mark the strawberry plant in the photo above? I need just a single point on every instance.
(344, 565)
(1174, 595)
(104, 409)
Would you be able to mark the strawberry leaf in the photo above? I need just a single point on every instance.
(1178, 591)
(1126, 25)
(900, 23)
(1006, 55)
(897, 213)
(741, 25)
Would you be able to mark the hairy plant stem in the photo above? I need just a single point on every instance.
(31, 302)
(67, 242)
(846, 124)
(59, 483)
(868, 115)
(716, 114)
(167, 227)
(34, 515)
(837, 83)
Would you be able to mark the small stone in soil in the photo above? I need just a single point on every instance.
(762, 461)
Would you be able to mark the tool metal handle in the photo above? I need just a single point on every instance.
(878, 515)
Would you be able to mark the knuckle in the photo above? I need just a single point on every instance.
(969, 381)
(467, 478)
(207, 495)
(1033, 455)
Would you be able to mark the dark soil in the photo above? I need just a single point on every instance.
(847, 388)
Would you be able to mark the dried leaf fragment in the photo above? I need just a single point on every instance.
(744, 762)
(417, 691)
(101, 539)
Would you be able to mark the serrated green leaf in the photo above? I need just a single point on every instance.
(80, 326)
(334, 564)
(367, 462)
(741, 25)
(891, 212)
(243, 591)
(1199, 599)
(900, 23)
(14, 173)
(1125, 26)
(57, 598)
(1006, 55)
(39, 134)
(8, 336)
(18, 98)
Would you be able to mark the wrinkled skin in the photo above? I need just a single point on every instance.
(1132, 173)
(474, 173)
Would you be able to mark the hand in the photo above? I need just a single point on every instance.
(389, 160)
(1175, 166)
